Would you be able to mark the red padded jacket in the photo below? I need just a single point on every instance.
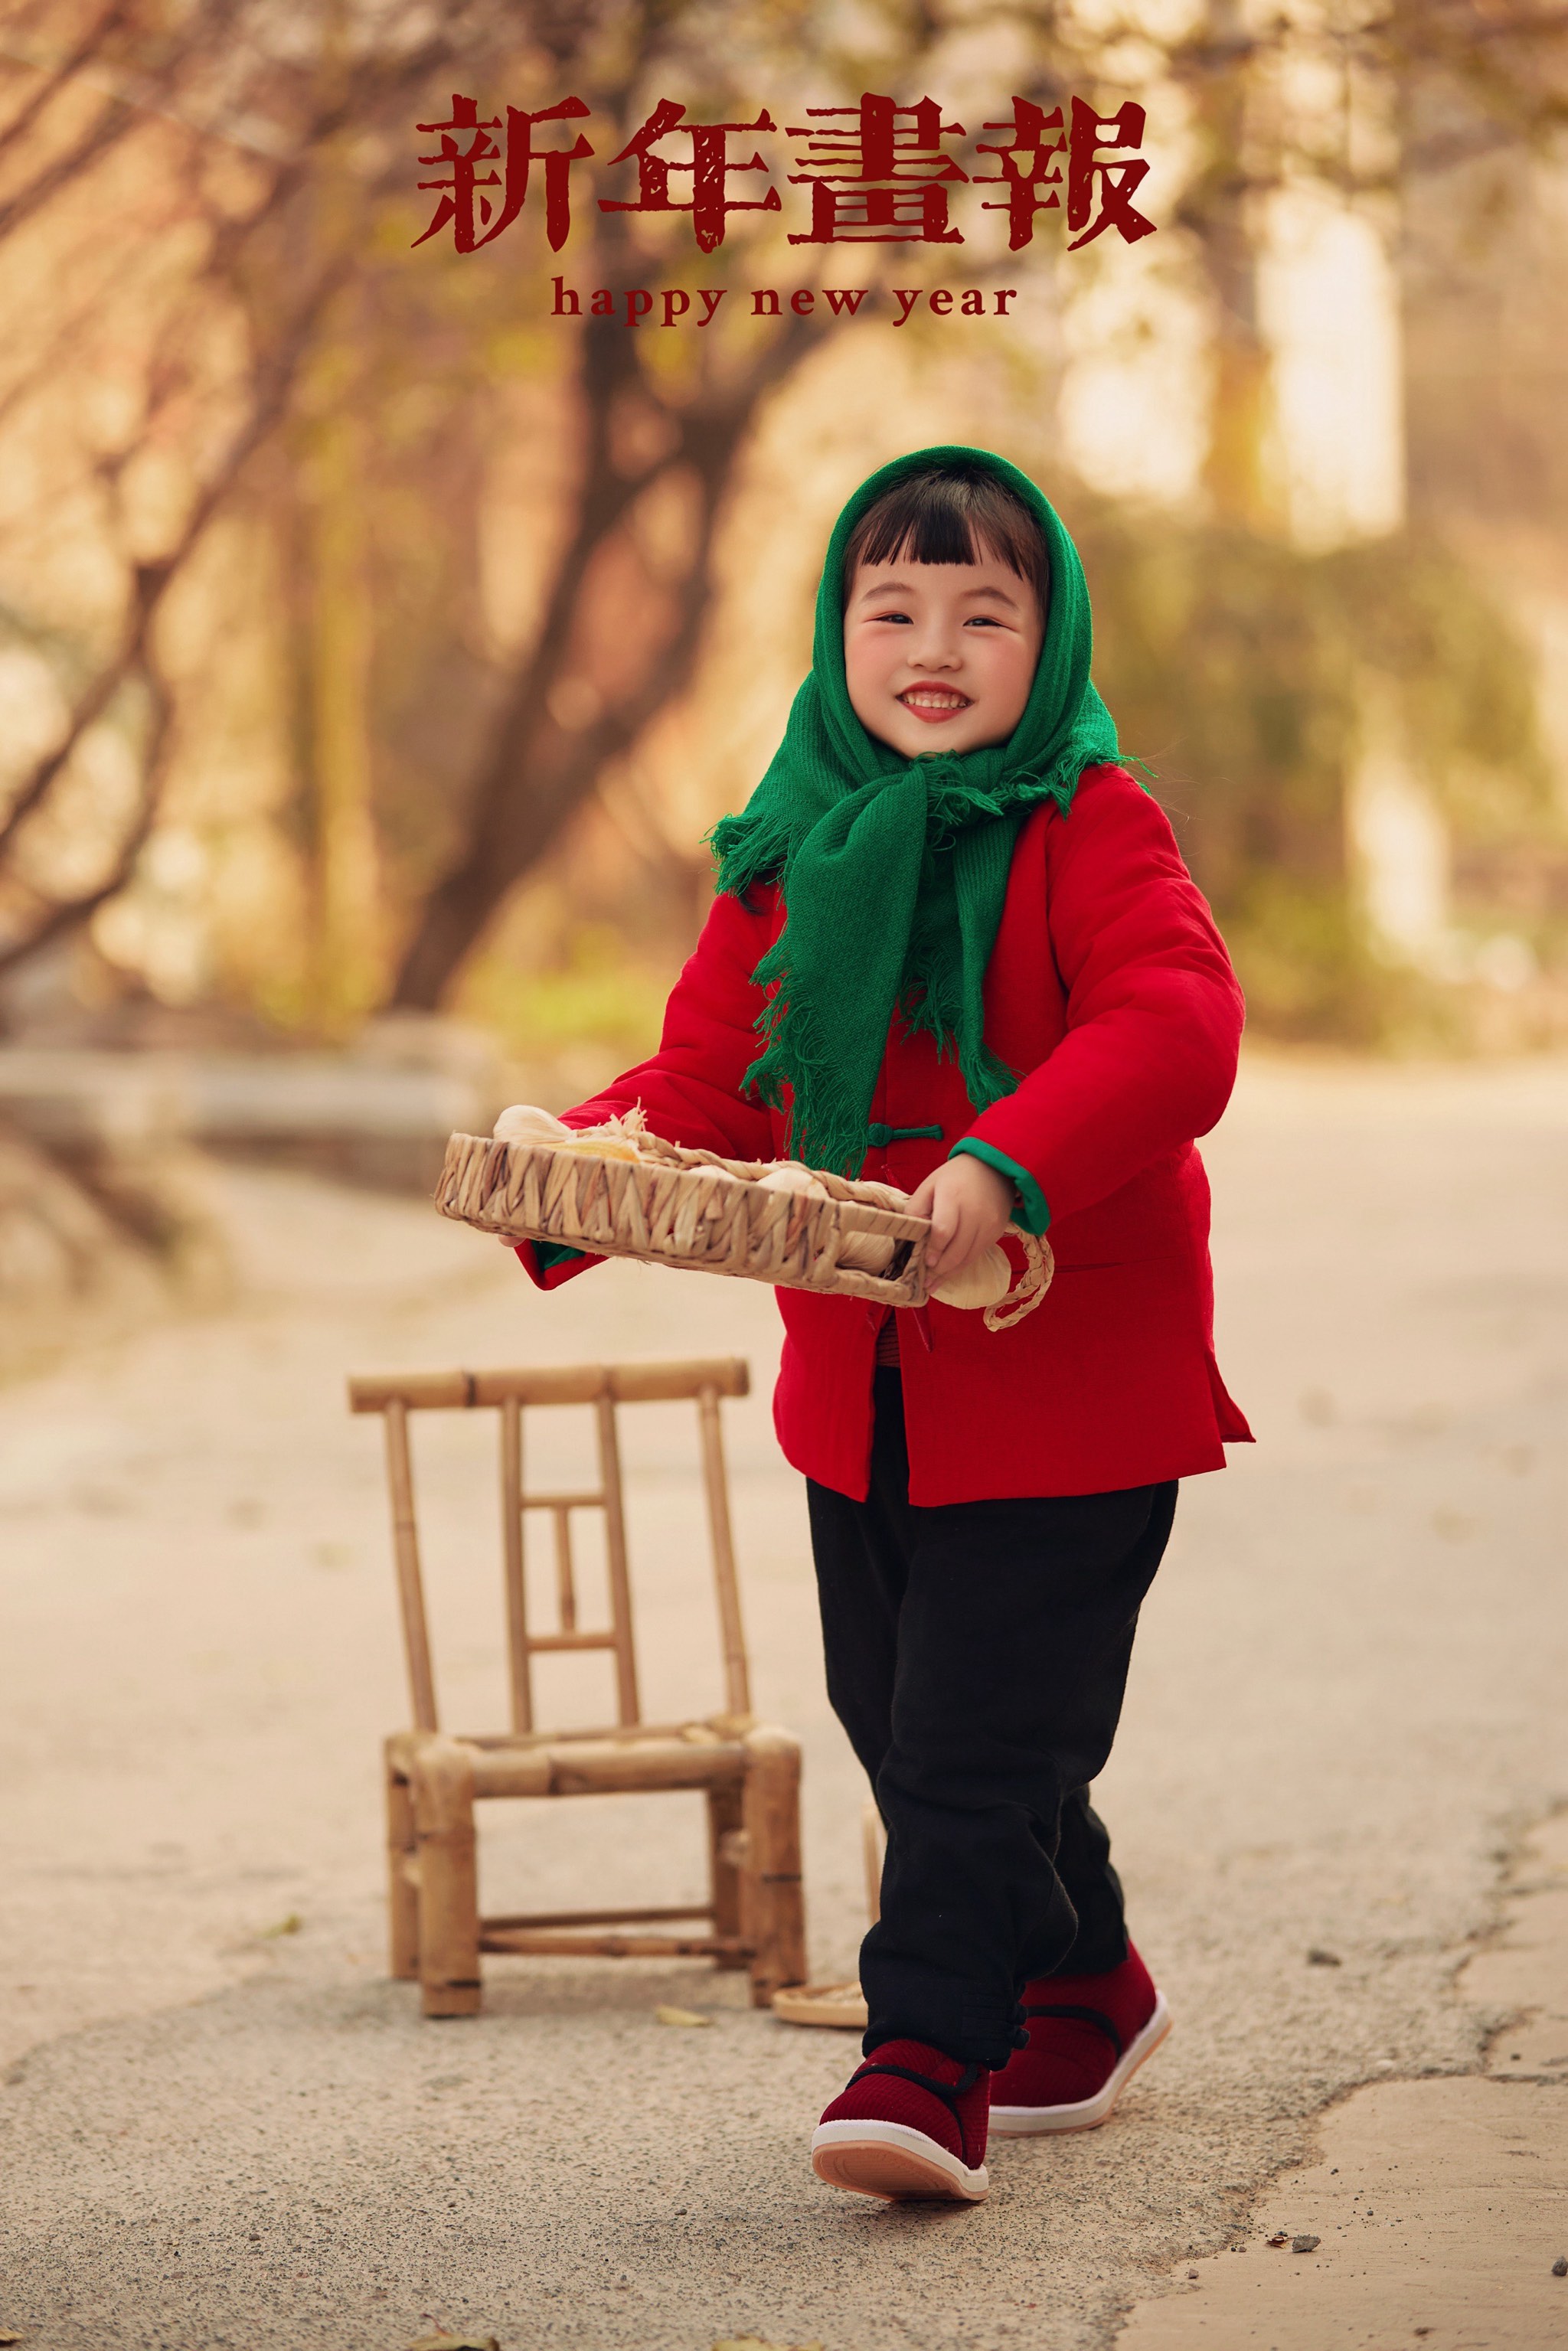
(1109, 987)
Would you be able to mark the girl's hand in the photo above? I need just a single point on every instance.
(969, 1206)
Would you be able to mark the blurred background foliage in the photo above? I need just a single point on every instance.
(1240, 668)
(373, 639)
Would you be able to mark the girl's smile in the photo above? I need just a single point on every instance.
(940, 655)
(932, 703)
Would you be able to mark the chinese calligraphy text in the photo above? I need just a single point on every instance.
(876, 173)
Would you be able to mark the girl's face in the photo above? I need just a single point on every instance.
(940, 656)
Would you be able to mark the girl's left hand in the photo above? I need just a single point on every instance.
(969, 1206)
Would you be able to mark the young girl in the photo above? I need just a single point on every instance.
(955, 948)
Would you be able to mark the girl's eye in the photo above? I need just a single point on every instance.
(983, 621)
(891, 616)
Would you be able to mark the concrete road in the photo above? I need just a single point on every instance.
(221, 2127)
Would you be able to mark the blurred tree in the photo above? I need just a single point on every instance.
(352, 415)
(1252, 670)
(658, 430)
(230, 127)
(1238, 665)
(285, 151)
(1369, 98)
(562, 724)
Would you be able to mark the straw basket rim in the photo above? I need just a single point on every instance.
(686, 1209)
(695, 1210)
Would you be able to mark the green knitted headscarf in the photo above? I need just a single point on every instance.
(893, 871)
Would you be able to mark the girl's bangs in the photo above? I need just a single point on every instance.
(951, 517)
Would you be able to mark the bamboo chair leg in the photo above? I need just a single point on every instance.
(402, 1893)
(773, 1900)
(726, 1845)
(441, 1777)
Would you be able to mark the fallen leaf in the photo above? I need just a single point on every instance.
(7, 2337)
(684, 2016)
(1279, 2237)
(289, 1925)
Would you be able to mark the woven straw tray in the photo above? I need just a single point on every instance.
(689, 1209)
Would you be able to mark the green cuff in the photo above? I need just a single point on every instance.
(1034, 1212)
(548, 1253)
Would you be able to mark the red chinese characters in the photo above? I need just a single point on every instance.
(876, 182)
(878, 172)
(1027, 167)
(464, 207)
(710, 204)
(1116, 178)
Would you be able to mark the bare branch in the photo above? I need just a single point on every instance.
(534, 774)
(68, 915)
(58, 76)
(151, 581)
(109, 128)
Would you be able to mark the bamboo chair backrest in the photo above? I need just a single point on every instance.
(604, 1386)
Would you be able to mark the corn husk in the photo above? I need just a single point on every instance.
(613, 1138)
(984, 1280)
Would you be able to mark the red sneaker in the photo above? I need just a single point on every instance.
(910, 2123)
(1088, 2035)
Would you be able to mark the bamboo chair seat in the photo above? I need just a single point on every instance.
(749, 1771)
(593, 1764)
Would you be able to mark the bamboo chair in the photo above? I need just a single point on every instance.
(754, 1918)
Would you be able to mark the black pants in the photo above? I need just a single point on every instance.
(976, 1657)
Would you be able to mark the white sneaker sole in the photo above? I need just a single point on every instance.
(1087, 2114)
(891, 2160)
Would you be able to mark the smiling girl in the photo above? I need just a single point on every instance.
(955, 947)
